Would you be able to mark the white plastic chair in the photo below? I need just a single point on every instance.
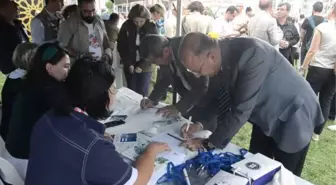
(2, 147)
(19, 165)
(9, 174)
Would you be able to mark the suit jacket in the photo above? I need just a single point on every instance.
(10, 37)
(188, 86)
(266, 90)
(264, 26)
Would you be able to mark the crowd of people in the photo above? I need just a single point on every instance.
(237, 68)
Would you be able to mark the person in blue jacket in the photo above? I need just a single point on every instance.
(68, 145)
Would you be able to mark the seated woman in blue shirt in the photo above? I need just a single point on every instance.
(68, 146)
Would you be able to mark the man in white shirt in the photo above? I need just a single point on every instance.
(170, 24)
(224, 26)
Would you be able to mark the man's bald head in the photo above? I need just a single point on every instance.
(200, 54)
(265, 4)
(195, 43)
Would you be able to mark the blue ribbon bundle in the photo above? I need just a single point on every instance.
(204, 161)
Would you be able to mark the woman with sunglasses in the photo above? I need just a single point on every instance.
(72, 129)
(43, 85)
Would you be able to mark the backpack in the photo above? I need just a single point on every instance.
(313, 26)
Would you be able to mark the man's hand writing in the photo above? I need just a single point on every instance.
(193, 128)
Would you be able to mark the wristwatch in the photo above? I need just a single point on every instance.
(208, 145)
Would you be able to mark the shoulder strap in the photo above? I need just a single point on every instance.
(311, 22)
(183, 26)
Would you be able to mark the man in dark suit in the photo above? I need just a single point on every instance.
(257, 85)
(162, 51)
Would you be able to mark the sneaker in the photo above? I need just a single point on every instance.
(332, 128)
(316, 137)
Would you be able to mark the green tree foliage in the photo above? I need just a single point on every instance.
(109, 6)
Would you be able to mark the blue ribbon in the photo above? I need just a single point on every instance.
(205, 160)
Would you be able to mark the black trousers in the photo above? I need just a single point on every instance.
(322, 82)
(332, 113)
(303, 54)
(260, 143)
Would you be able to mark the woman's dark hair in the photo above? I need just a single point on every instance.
(302, 16)
(47, 53)
(196, 6)
(88, 86)
(114, 17)
(139, 11)
(68, 10)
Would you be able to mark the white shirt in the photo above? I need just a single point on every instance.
(325, 57)
(133, 178)
(94, 46)
(239, 21)
(170, 26)
(222, 27)
(137, 43)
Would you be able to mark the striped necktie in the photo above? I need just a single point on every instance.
(223, 100)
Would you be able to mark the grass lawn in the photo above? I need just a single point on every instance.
(320, 166)
(2, 81)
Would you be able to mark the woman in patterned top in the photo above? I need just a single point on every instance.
(157, 12)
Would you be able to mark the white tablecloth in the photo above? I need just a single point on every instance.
(128, 103)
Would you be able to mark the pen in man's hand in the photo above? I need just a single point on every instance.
(188, 124)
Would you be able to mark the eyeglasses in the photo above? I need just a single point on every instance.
(198, 74)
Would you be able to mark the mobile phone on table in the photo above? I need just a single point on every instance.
(116, 120)
(119, 117)
(114, 123)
